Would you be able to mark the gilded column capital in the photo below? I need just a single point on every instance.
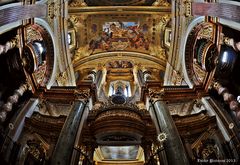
(9, 45)
(156, 94)
(82, 94)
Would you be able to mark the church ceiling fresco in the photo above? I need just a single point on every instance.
(120, 36)
(97, 34)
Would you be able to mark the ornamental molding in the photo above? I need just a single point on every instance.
(54, 9)
(188, 8)
(118, 114)
(164, 3)
(77, 4)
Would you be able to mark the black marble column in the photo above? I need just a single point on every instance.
(65, 144)
(173, 145)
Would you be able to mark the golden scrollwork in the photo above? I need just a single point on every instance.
(207, 31)
(161, 3)
(164, 20)
(74, 19)
(119, 113)
(77, 4)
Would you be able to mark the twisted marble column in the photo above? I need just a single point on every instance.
(230, 42)
(7, 107)
(9, 45)
(228, 98)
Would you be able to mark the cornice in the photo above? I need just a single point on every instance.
(120, 9)
(119, 54)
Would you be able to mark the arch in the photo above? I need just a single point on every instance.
(10, 26)
(195, 22)
(44, 24)
(122, 54)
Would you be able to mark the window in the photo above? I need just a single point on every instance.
(69, 39)
(117, 87)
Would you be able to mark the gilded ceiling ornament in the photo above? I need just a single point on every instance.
(54, 10)
(161, 3)
(51, 11)
(200, 73)
(33, 34)
(206, 32)
(164, 20)
(80, 53)
(40, 74)
(120, 113)
(188, 8)
(74, 19)
(80, 3)
(120, 45)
